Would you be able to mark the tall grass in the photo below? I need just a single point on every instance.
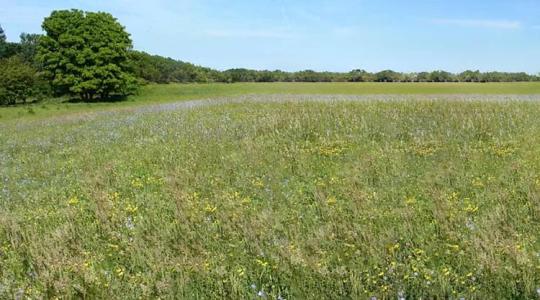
(161, 93)
(292, 200)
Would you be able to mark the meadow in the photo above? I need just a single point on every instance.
(165, 93)
(275, 196)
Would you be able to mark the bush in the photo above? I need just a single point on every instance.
(17, 80)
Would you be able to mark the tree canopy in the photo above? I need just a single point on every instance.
(86, 53)
(17, 80)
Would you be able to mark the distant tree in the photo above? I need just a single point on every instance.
(86, 54)
(28, 47)
(440, 76)
(470, 76)
(357, 75)
(3, 41)
(387, 76)
(17, 80)
(7, 49)
(3, 37)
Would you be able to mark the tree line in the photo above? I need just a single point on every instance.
(89, 55)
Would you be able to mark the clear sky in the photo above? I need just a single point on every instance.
(334, 35)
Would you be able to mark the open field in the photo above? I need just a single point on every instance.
(182, 92)
(268, 196)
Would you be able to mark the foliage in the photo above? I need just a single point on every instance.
(7, 49)
(17, 80)
(28, 47)
(3, 42)
(3, 37)
(303, 200)
(158, 69)
(86, 54)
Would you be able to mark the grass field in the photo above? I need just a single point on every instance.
(181, 92)
(275, 198)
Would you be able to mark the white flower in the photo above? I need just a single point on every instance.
(129, 223)
(470, 224)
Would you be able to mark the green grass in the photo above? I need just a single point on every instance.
(179, 92)
(315, 200)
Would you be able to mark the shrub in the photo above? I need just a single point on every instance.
(17, 80)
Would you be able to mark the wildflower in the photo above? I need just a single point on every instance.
(279, 297)
(258, 183)
(538, 291)
(129, 223)
(394, 247)
(453, 247)
(253, 286)
(130, 208)
(246, 200)
(210, 209)
(470, 224)
(401, 295)
(471, 208)
(262, 263)
(410, 200)
(115, 196)
(261, 294)
(137, 183)
(477, 182)
(331, 200)
(73, 201)
(119, 272)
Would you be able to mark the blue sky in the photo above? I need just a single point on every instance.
(334, 35)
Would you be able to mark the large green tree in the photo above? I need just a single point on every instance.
(86, 53)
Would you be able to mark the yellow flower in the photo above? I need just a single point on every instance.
(241, 271)
(410, 200)
(477, 182)
(130, 208)
(119, 272)
(246, 200)
(258, 183)
(137, 183)
(453, 247)
(73, 200)
(331, 200)
(471, 208)
(262, 263)
(115, 196)
(210, 209)
(394, 247)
